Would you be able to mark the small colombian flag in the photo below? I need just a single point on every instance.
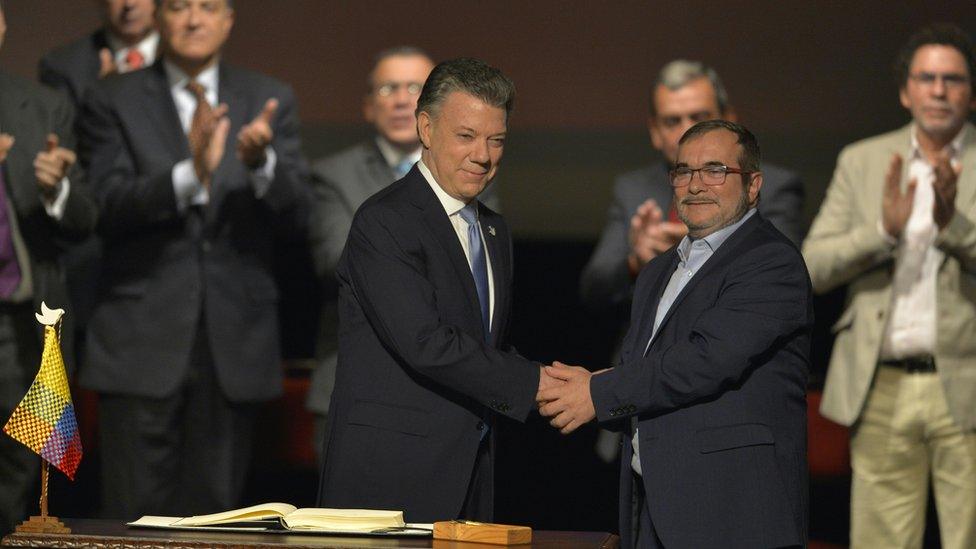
(44, 421)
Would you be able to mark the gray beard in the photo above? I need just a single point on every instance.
(695, 231)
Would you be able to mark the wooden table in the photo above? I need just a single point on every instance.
(110, 534)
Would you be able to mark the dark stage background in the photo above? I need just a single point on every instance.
(806, 77)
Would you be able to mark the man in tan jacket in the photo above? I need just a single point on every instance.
(897, 226)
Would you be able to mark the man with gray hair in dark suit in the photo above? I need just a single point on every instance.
(344, 180)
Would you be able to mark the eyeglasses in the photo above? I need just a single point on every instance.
(950, 80)
(713, 175)
(389, 88)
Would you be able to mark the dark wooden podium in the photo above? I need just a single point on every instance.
(107, 534)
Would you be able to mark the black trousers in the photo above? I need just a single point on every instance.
(20, 359)
(185, 454)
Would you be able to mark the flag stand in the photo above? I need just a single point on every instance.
(45, 523)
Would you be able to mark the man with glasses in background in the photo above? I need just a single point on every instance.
(343, 181)
(642, 220)
(897, 226)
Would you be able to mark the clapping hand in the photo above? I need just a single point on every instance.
(651, 235)
(51, 165)
(944, 186)
(256, 136)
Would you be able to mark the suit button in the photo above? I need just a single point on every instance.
(480, 426)
(206, 246)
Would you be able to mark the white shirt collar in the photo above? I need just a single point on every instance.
(148, 47)
(451, 205)
(392, 155)
(178, 79)
(954, 146)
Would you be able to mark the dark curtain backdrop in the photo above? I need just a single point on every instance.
(807, 77)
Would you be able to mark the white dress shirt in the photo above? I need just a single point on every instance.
(189, 190)
(453, 206)
(911, 325)
(147, 47)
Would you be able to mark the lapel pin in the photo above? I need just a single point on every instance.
(491, 230)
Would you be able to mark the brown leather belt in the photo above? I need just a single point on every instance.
(912, 365)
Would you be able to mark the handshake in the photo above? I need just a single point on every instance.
(564, 396)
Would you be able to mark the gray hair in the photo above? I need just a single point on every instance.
(472, 76)
(680, 72)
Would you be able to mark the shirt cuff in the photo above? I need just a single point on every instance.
(187, 186)
(55, 208)
(262, 176)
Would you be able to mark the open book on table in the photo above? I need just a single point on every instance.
(284, 517)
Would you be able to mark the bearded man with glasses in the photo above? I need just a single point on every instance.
(710, 389)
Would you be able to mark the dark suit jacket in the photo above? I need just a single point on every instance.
(165, 270)
(74, 67)
(340, 184)
(605, 285)
(29, 112)
(719, 397)
(416, 379)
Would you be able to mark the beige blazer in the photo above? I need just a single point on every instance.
(845, 246)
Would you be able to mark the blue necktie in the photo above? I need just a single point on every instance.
(403, 167)
(479, 265)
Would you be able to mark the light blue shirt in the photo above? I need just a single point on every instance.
(692, 255)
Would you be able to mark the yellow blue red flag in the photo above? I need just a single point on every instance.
(44, 421)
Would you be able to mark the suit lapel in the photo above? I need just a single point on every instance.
(499, 257)
(725, 251)
(649, 312)
(967, 179)
(440, 226)
(228, 92)
(20, 161)
(162, 111)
